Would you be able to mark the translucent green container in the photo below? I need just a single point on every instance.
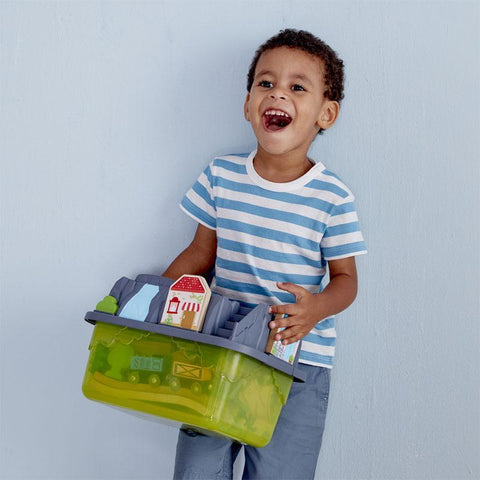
(204, 386)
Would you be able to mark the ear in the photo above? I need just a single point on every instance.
(329, 114)
(246, 113)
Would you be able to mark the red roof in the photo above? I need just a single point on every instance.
(188, 283)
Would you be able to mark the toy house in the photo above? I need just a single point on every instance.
(187, 303)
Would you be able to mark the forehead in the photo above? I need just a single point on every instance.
(290, 61)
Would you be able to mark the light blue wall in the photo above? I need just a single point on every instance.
(109, 112)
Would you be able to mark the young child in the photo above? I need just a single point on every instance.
(269, 222)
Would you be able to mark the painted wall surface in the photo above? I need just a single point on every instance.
(109, 111)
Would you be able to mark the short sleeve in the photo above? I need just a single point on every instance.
(342, 237)
(199, 202)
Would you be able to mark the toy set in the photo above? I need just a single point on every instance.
(219, 380)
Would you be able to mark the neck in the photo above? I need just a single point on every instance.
(281, 168)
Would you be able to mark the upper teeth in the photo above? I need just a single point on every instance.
(277, 112)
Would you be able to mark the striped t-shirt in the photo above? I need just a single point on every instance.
(276, 232)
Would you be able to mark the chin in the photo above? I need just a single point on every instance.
(277, 146)
(273, 148)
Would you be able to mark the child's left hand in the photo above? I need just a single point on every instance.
(303, 315)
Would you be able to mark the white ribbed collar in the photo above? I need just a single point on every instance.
(281, 187)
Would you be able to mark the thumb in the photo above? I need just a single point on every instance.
(292, 288)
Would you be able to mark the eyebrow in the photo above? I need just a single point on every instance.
(263, 72)
(297, 76)
(303, 78)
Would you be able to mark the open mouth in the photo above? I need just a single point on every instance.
(275, 120)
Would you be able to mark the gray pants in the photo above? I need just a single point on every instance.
(291, 454)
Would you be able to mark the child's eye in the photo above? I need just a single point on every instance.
(265, 84)
(298, 88)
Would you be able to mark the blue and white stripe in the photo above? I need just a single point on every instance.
(270, 232)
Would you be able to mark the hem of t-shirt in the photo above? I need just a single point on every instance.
(346, 255)
(315, 364)
(198, 220)
(281, 187)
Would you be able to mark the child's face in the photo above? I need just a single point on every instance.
(286, 106)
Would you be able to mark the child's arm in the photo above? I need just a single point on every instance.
(310, 308)
(198, 258)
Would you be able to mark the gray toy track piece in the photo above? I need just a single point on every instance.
(226, 324)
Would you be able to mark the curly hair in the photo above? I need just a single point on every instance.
(309, 43)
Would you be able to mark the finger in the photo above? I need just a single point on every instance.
(289, 335)
(292, 288)
(279, 310)
(280, 321)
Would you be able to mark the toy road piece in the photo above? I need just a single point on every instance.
(187, 303)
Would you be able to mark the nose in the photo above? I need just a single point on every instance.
(278, 92)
